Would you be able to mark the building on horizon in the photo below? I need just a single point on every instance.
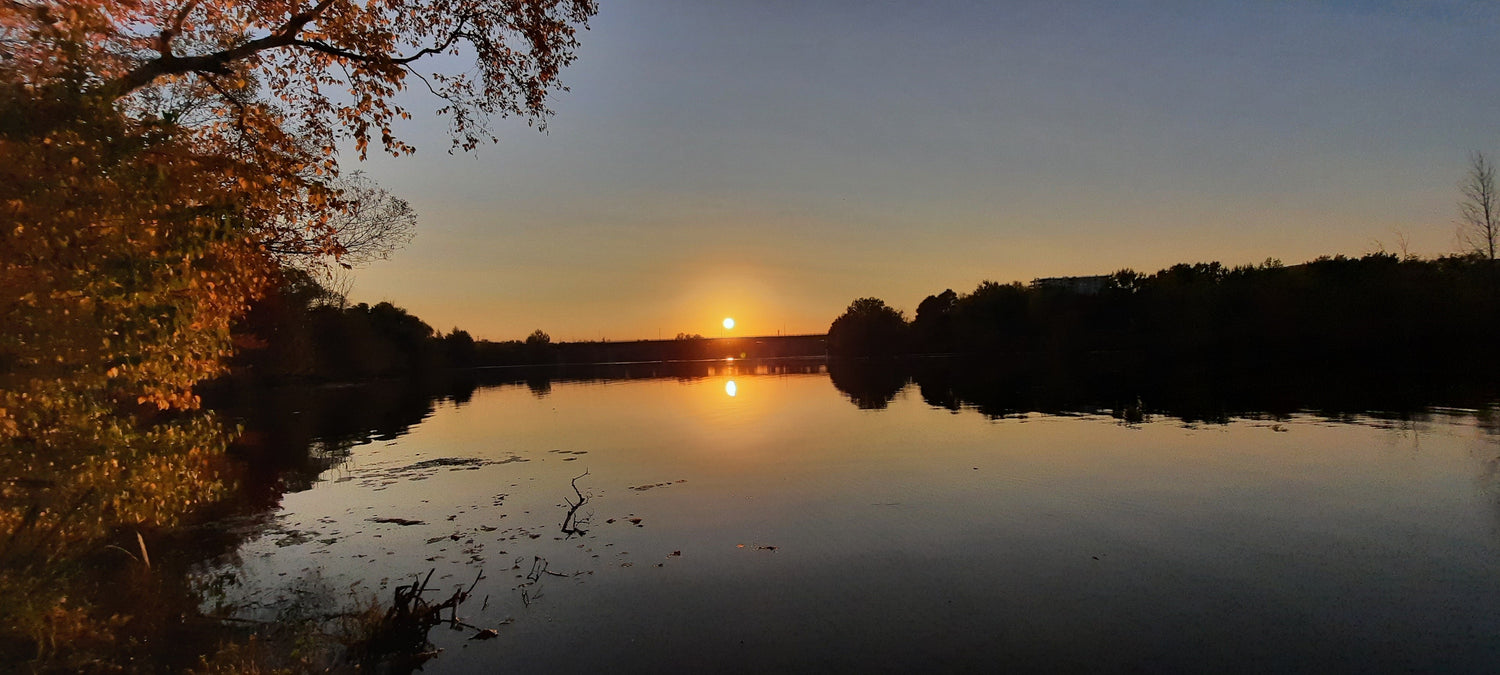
(1091, 285)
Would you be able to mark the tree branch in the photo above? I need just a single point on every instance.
(426, 82)
(217, 62)
(164, 41)
(331, 50)
(239, 105)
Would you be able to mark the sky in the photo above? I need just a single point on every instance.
(773, 160)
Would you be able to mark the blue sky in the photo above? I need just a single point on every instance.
(774, 160)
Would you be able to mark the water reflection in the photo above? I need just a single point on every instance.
(539, 379)
(296, 433)
(870, 386)
(1086, 538)
(1132, 392)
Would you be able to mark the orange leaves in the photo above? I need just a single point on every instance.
(162, 157)
(231, 51)
(115, 299)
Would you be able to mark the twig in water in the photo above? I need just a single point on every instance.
(538, 566)
(571, 522)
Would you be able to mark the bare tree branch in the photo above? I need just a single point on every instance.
(1479, 210)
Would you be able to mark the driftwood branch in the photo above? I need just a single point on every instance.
(571, 522)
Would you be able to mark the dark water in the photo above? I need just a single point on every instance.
(746, 517)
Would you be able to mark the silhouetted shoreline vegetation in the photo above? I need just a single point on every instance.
(1376, 311)
(305, 333)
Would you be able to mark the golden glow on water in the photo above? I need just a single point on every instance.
(868, 513)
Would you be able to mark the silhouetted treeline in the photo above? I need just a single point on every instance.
(1377, 310)
(304, 332)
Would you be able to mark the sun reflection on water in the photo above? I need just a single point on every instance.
(730, 388)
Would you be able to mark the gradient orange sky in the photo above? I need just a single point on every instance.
(773, 160)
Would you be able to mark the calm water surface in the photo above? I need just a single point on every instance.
(743, 522)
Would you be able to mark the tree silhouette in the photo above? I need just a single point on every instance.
(933, 324)
(372, 224)
(1479, 209)
(1332, 309)
(868, 328)
(458, 348)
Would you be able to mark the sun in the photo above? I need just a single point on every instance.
(728, 323)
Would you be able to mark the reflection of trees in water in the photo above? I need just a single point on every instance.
(1488, 418)
(1210, 393)
(462, 390)
(539, 379)
(1131, 390)
(937, 390)
(539, 385)
(294, 434)
(869, 385)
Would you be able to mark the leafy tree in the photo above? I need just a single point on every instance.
(993, 315)
(279, 85)
(458, 348)
(121, 269)
(868, 328)
(934, 321)
(309, 54)
(162, 160)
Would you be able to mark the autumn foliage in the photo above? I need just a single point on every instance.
(161, 163)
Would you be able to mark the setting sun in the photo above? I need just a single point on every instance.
(1030, 286)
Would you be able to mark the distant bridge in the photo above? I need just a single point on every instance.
(693, 349)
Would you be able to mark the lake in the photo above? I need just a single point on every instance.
(768, 516)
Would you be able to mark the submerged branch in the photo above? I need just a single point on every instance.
(571, 522)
